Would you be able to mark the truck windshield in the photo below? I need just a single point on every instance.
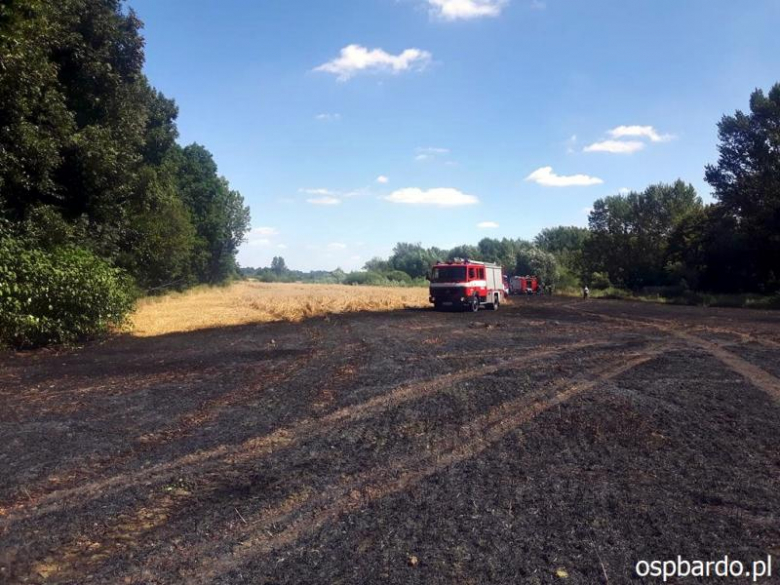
(449, 274)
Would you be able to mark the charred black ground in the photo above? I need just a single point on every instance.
(551, 438)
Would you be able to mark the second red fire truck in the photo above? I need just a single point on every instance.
(466, 284)
(524, 285)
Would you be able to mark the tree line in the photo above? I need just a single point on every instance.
(666, 236)
(92, 180)
(410, 264)
(100, 203)
(663, 238)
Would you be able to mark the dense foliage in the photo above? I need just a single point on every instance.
(58, 295)
(666, 237)
(89, 163)
(746, 183)
(629, 239)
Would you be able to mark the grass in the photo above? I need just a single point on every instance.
(690, 298)
(252, 302)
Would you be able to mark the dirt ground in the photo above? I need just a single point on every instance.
(553, 441)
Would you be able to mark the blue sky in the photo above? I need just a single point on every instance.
(350, 125)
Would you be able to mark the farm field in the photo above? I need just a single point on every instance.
(255, 302)
(553, 441)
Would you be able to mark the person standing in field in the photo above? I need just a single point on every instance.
(585, 292)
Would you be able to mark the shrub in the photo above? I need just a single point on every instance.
(365, 278)
(57, 296)
(612, 293)
(398, 276)
(567, 280)
(772, 302)
(600, 281)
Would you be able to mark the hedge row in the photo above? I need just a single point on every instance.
(57, 296)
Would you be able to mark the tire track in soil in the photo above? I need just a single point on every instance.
(84, 553)
(362, 489)
(352, 488)
(743, 336)
(206, 411)
(210, 409)
(262, 446)
(756, 375)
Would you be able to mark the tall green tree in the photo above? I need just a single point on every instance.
(567, 244)
(503, 252)
(278, 266)
(707, 251)
(413, 259)
(536, 262)
(90, 170)
(562, 239)
(378, 265)
(35, 122)
(221, 219)
(746, 183)
(630, 233)
(86, 140)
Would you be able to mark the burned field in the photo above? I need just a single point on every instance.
(551, 441)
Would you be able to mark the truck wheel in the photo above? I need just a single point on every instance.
(474, 306)
(496, 302)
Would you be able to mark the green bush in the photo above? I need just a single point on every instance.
(398, 276)
(612, 293)
(600, 281)
(57, 296)
(567, 280)
(770, 302)
(365, 278)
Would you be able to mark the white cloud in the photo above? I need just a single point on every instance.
(328, 117)
(331, 197)
(618, 146)
(545, 176)
(465, 9)
(355, 192)
(337, 246)
(615, 146)
(430, 152)
(639, 132)
(624, 191)
(326, 200)
(281, 246)
(382, 180)
(265, 231)
(440, 197)
(486, 225)
(326, 192)
(355, 59)
(261, 236)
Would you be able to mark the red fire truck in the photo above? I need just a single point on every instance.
(524, 285)
(466, 284)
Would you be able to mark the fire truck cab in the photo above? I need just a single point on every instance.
(466, 284)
